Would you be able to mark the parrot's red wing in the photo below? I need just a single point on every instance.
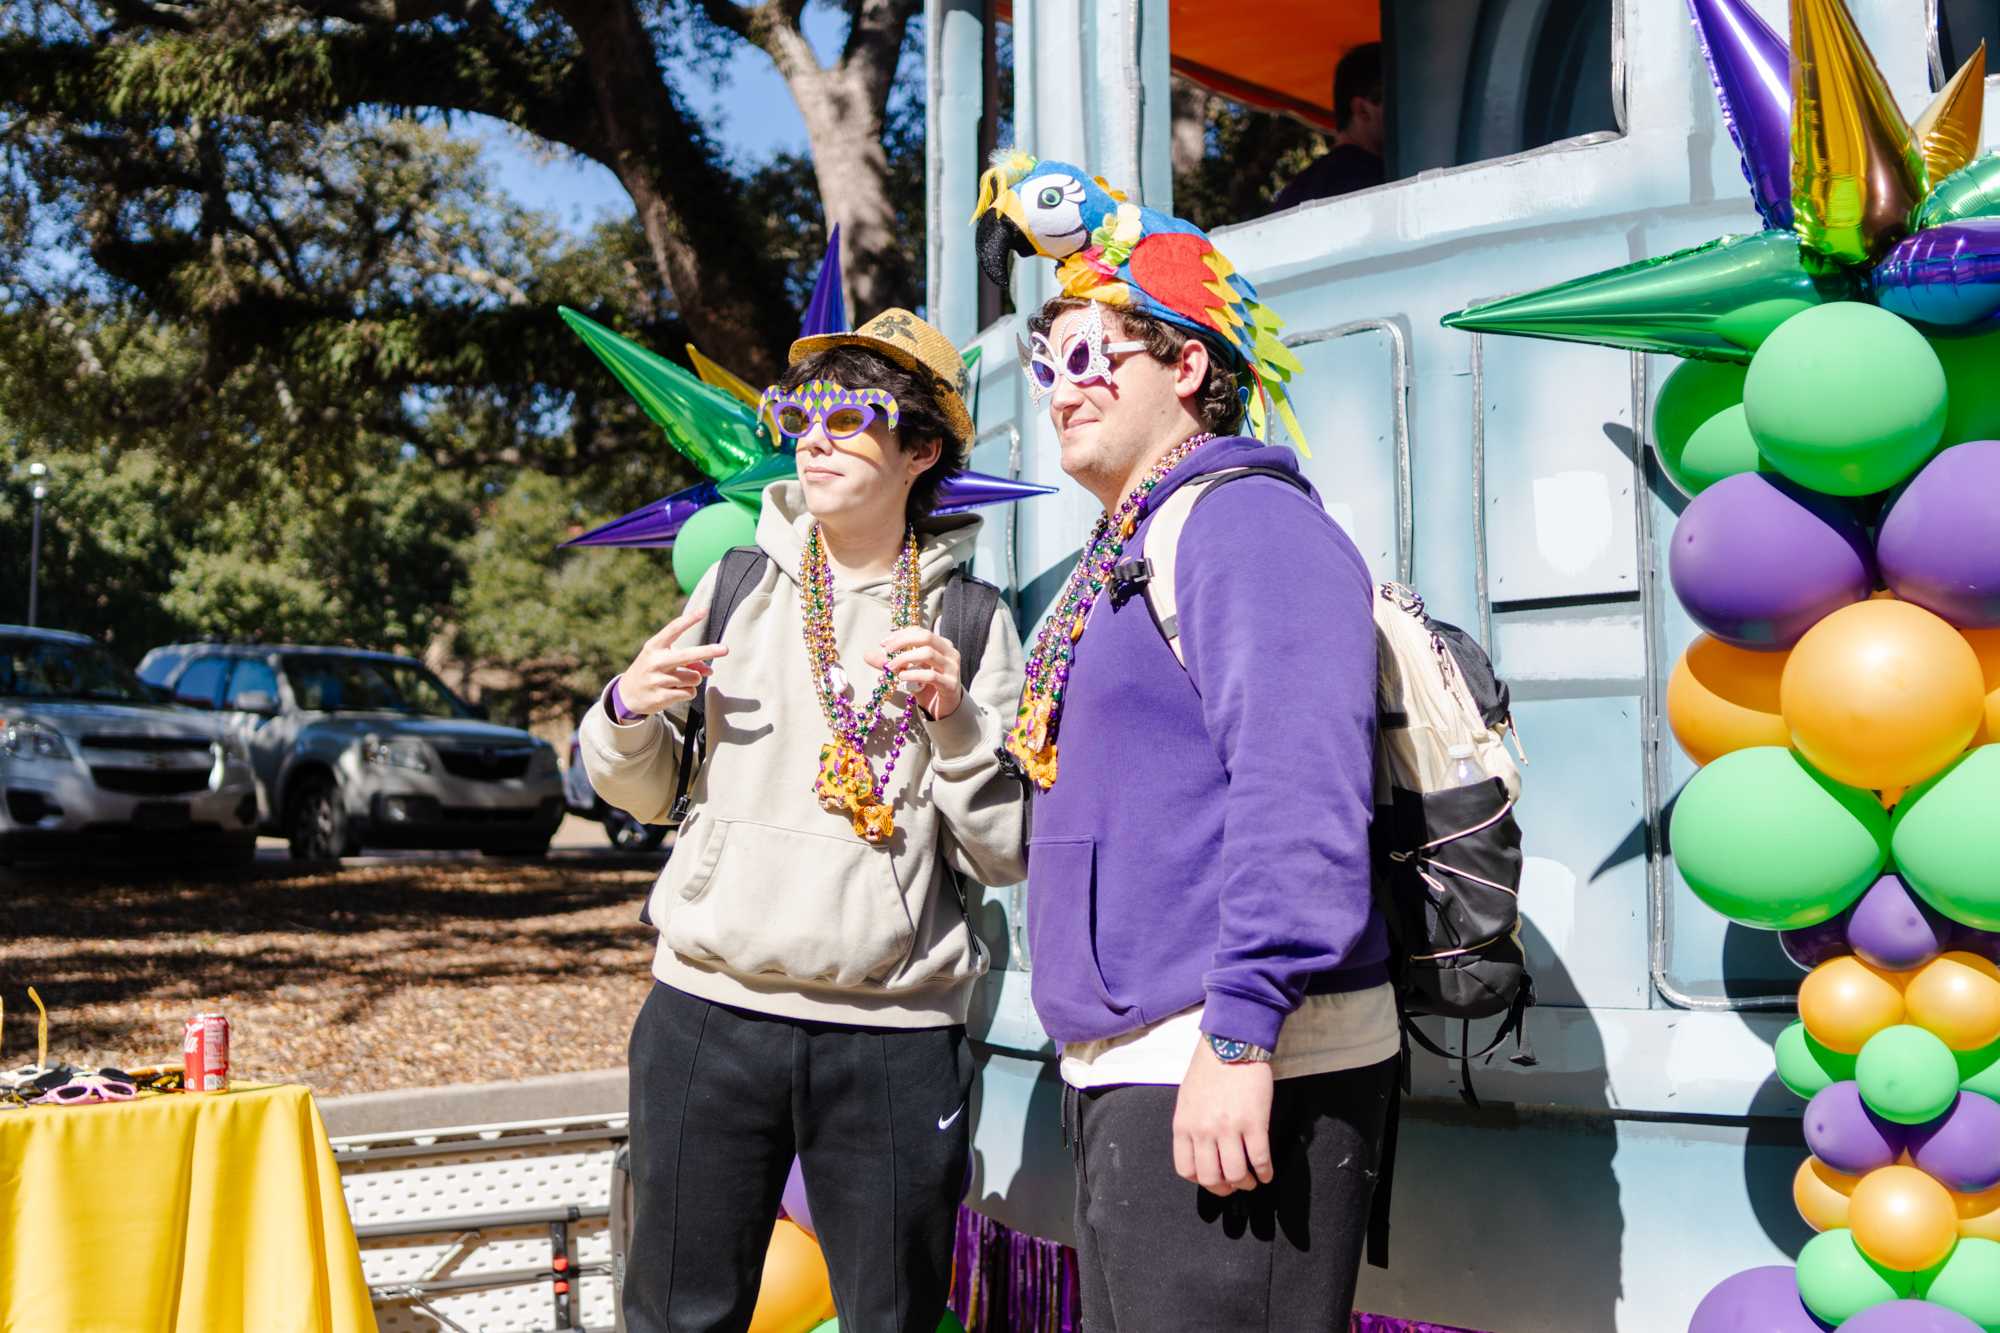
(1170, 267)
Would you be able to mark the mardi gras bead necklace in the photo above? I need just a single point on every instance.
(847, 783)
(1032, 741)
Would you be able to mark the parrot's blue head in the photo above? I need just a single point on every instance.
(1030, 207)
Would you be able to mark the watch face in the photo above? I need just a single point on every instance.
(1226, 1049)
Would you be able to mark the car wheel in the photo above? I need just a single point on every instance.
(629, 835)
(318, 826)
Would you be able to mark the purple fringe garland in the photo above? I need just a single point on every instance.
(1006, 1282)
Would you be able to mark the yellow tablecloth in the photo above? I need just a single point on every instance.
(177, 1214)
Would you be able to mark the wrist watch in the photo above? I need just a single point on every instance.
(1233, 1052)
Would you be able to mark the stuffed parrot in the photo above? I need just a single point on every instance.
(1107, 248)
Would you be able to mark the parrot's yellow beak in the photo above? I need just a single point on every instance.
(997, 197)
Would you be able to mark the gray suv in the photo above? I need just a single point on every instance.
(354, 749)
(89, 755)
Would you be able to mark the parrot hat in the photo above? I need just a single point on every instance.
(914, 345)
(1108, 249)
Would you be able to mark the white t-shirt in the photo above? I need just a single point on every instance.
(1344, 1030)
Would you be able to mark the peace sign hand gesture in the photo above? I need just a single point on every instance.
(663, 673)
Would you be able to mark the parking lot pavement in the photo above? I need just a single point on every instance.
(577, 841)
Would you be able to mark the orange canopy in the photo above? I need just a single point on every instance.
(1276, 55)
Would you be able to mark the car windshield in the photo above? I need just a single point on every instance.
(365, 685)
(36, 668)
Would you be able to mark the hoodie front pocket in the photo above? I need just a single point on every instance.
(1068, 984)
(777, 901)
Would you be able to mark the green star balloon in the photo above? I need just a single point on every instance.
(1716, 301)
(717, 433)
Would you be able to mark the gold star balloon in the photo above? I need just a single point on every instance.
(1906, 215)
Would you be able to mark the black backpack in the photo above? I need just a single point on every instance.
(966, 618)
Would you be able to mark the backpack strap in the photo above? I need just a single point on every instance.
(967, 620)
(1163, 540)
(741, 569)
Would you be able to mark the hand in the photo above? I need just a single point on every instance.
(1222, 1124)
(664, 674)
(926, 666)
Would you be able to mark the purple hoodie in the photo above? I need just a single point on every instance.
(1206, 841)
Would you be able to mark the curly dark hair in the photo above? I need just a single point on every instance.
(1219, 403)
(919, 417)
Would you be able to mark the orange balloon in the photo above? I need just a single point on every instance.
(1979, 1214)
(1882, 694)
(1903, 1219)
(1844, 1002)
(1822, 1193)
(1957, 997)
(1722, 698)
(1986, 647)
(796, 1293)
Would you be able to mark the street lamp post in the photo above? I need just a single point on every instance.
(38, 475)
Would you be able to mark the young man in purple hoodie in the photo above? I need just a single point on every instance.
(1206, 947)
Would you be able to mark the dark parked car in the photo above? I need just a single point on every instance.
(353, 749)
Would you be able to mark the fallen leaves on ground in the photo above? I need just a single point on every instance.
(359, 979)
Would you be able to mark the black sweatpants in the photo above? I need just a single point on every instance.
(723, 1098)
(1157, 1254)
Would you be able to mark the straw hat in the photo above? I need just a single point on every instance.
(913, 345)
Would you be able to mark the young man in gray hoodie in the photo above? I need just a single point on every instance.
(816, 959)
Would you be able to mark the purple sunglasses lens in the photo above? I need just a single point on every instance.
(1044, 373)
(1078, 359)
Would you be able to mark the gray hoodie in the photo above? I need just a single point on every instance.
(770, 902)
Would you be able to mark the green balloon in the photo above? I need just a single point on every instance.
(1979, 1071)
(1721, 447)
(1846, 399)
(705, 537)
(1973, 191)
(1968, 1281)
(1692, 395)
(1764, 839)
(1837, 1281)
(1907, 1074)
(1806, 1067)
(1972, 379)
(1947, 841)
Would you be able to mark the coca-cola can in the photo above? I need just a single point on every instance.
(205, 1053)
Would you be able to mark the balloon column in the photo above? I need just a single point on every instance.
(711, 418)
(1841, 554)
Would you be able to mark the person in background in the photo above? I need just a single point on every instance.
(1355, 160)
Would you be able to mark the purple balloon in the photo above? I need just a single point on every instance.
(1947, 276)
(1940, 543)
(1809, 946)
(1910, 1316)
(1752, 70)
(826, 312)
(1846, 1135)
(1758, 561)
(655, 524)
(1894, 929)
(1961, 1147)
(1757, 1300)
(795, 1201)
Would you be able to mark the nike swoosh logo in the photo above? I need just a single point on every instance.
(946, 1122)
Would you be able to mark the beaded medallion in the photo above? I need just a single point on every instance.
(847, 783)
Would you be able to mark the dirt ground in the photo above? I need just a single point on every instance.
(380, 975)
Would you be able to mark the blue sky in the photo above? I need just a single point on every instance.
(752, 113)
